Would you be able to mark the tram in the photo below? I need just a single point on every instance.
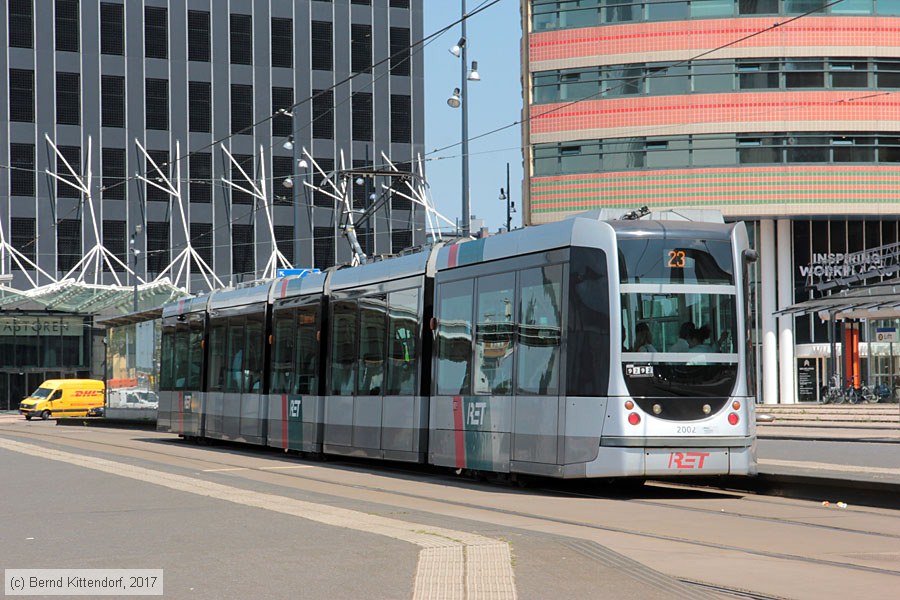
(581, 348)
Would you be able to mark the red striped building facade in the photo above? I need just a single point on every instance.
(783, 113)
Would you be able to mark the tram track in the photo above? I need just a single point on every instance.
(235, 462)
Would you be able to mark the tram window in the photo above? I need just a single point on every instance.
(403, 325)
(454, 363)
(587, 333)
(282, 351)
(343, 348)
(540, 323)
(166, 353)
(306, 380)
(372, 330)
(181, 359)
(652, 260)
(494, 334)
(195, 367)
(216, 373)
(234, 354)
(253, 356)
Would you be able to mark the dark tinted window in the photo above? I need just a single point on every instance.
(198, 35)
(654, 260)
(68, 98)
(322, 45)
(67, 25)
(241, 40)
(156, 32)
(21, 24)
(22, 236)
(245, 163)
(157, 91)
(72, 156)
(114, 173)
(112, 28)
(113, 100)
(282, 98)
(157, 247)
(202, 241)
(587, 349)
(401, 119)
(242, 249)
(282, 43)
(399, 51)
(241, 109)
(323, 114)
(21, 95)
(68, 243)
(155, 174)
(201, 177)
(114, 241)
(21, 174)
(360, 48)
(362, 116)
(200, 110)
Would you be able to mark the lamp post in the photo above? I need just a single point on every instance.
(134, 258)
(510, 205)
(459, 98)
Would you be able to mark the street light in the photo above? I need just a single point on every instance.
(458, 99)
(134, 256)
(510, 205)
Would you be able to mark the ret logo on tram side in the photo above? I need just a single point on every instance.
(476, 412)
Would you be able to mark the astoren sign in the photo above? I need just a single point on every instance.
(34, 325)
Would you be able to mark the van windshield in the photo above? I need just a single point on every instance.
(41, 393)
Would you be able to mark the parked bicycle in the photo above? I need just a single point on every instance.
(832, 393)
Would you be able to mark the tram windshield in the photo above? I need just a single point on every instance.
(679, 317)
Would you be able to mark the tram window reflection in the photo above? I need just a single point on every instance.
(403, 310)
(495, 334)
(539, 330)
(454, 357)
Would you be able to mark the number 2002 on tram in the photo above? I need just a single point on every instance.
(581, 348)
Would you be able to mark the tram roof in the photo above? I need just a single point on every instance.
(398, 267)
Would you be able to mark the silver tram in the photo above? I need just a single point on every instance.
(583, 348)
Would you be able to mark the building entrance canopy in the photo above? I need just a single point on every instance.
(89, 299)
(876, 301)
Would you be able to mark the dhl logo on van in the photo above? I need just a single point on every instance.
(86, 393)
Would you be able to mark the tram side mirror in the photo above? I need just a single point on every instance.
(433, 323)
(750, 256)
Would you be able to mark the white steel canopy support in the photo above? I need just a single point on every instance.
(277, 260)
(98, 255)
(181, 264)
(19, 259)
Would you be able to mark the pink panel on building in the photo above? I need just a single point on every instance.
(701, 35)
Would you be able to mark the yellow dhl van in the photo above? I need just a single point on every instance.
(63, 398)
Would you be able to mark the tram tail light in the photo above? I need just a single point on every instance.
(634, 418)
(733, 418)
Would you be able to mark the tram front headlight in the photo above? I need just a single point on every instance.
(707, 409)
(657, 409)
